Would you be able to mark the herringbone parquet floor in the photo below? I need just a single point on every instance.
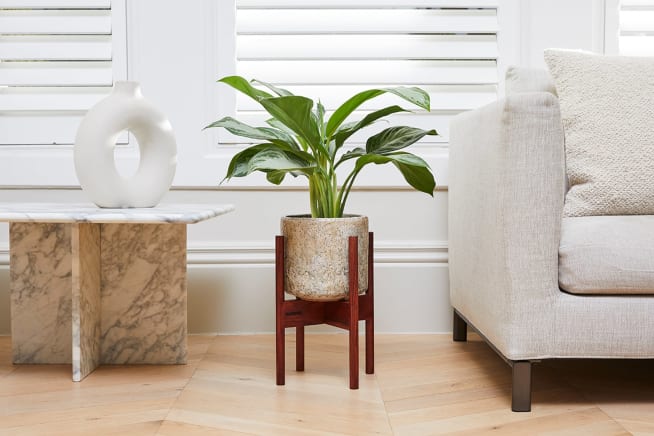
(424, 384)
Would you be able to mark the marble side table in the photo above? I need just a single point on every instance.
(92, 286)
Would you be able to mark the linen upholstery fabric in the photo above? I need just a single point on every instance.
(506, 190)
(608, 119)
(607, 254)
(520, 79)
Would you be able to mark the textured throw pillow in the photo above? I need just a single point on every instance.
(607, 108)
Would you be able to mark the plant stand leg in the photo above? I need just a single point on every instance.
(370, 321)
(299, 348)
(279, 306)
(353, 255)
(459, 328)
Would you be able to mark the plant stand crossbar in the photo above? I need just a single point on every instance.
(344, 314)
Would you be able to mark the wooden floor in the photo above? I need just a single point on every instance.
(424, 384)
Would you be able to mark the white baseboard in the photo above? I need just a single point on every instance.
(262, 252)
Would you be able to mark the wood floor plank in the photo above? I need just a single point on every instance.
(174, 428)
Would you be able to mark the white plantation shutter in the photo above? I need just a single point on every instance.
(330, 49)
(636, 28)
(57, 59)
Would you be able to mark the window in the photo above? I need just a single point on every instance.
(636, 28)
(629, 27)
(330, 49)
(57, 59)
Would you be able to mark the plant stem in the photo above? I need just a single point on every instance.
(312, 197)
(345, 191)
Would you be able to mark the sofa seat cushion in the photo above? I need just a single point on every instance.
(607, 255)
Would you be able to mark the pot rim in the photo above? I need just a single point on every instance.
(308, 217)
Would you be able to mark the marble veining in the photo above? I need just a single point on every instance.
(143, 293)
(89, 213)
(86, 297)
(40, 283)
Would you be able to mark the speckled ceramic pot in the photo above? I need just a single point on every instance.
(316, 258)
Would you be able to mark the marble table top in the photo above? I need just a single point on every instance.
(89, 213)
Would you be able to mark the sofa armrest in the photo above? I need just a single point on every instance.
(506, 191)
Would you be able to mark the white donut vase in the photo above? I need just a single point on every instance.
(125, 109)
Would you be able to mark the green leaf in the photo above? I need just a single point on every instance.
(320, 114)
(276, 177)
(347, 130)
(275, 159)
(418, 176)
(348, 107)
(242, 164)
(242, 85)
(275, 123)
(241, 129)
(395, 138)
(413, 95)
(279, 91)
(414, 169)
(357, 152)
(295, 112)
(238, 166)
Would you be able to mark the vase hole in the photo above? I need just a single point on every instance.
(127, 156)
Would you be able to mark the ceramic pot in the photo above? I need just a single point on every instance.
(125, 109)
(316, 256)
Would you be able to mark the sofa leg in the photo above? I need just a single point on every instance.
(521, 386)
(459, 328)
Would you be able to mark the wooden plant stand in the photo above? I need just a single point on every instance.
(344, 314)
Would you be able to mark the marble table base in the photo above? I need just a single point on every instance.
(90, 294)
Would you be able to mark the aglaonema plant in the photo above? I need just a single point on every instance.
(301, 141)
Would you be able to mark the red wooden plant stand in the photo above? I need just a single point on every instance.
(344, 314)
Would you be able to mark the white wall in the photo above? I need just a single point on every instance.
(577, 24)
(231, 258)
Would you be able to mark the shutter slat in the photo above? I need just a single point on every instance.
(299, 21)
(56, 73)
(55, 4)
(55, 22)
(50, 99)
(637, 45)
(53, 128)
(362, 72)
(342, 4)
(636, 4)
(83, 47)
(367, 47)
(44, 128)
(637, 21)
(443, 98)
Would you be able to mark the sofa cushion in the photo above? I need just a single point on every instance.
(607, 255)
(608, 121)
(521, 79)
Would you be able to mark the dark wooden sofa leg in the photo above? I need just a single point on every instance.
(521, 386)
(459, 328)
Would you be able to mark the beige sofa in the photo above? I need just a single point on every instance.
(511, 252)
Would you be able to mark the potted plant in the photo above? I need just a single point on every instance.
(301, 141)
